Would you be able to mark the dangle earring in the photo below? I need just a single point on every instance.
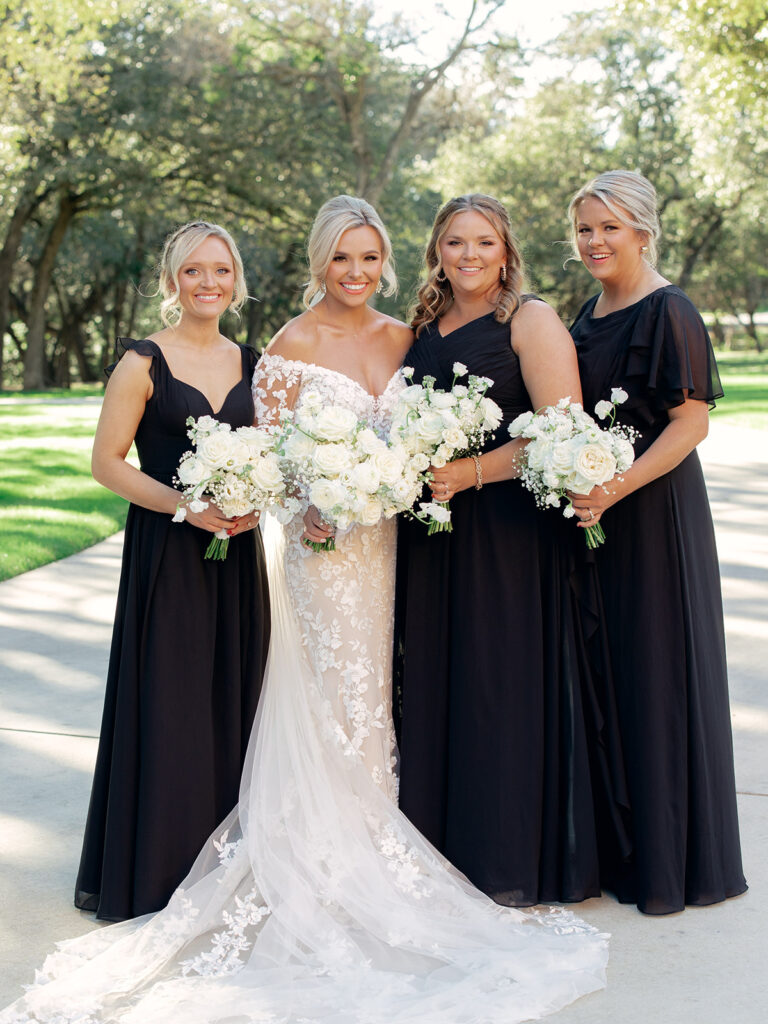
(379, 287)
(503, 272)
(440, 276)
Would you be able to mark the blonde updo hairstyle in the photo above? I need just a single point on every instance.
(630, 198)
(179, 246)
(334, 218)
(435, 296)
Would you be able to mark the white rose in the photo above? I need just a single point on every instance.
(603, 409)
(595, 464)
(365, 478)
(429, 427)
(562, 458)
(312, 401)
(455, 438)
(191, 471)
(335, 423)
(411, 396)
(222, 450)
(299, 446)
(388, 465)
(618, 395)
(331, 459)
(207, 425)
(324, 494)
(265, 474)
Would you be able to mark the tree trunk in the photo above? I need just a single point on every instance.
(34, 357)
(24, 209)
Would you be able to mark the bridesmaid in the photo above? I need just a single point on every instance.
(190, 637)
(495, 705)
(658, 568)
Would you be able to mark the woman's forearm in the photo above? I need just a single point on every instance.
(130, 483)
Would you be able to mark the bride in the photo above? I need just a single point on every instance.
(316, 901)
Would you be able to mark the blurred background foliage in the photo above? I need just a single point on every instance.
(122, 119)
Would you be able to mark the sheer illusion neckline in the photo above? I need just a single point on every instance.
(340, 373)
(202, 394)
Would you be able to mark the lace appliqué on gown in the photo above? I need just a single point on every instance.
(316, 901)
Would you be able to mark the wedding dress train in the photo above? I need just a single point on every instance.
(316, 901)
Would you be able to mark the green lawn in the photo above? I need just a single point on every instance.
(50, 506)
(745, 383)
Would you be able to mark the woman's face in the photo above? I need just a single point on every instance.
(472, 254)
(355, 268)
(609, 249)
(207, 279)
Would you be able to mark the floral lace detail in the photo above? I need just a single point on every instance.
(224, 955)
(344, 600)
(403, 861)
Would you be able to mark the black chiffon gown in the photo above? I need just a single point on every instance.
(188, 652)
(502, 731)
(660, 580)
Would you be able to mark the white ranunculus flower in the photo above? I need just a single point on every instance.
(595, 464)
(191, 471)
(331, 459)
(420, 462)
(335, 423)
(519, 423)
(455, 438)
(402, 491)
(365, 478)
(369, 441)
(324, 494)
(220, 448)
(618, 395)
(603, 409)
(442, 400)
(371, 512)
(459, 369)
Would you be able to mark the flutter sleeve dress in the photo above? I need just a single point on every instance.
(659, 576)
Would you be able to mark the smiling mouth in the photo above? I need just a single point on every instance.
(208, 298)
(470, 270)
(599, 256)
(355, 289)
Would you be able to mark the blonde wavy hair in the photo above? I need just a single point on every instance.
(631, 199)
(179, 246)
(435, 296)
(337, 215)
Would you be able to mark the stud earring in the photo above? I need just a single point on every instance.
(503, 272)
(643, 248)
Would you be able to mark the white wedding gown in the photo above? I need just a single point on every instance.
(316, 901)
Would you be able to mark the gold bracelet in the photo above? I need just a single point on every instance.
(478, 473)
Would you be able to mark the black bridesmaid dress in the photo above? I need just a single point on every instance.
(660, 580)
(495, 624)
(188, 652)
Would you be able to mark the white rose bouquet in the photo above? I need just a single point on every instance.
(435, 427)
(338, 464)
(238, 469)
(568, 451)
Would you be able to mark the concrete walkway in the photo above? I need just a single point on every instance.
(704, 966)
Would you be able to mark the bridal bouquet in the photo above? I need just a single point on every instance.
(338, 464)
(435, 427)
(568, 451)
(238, 469)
